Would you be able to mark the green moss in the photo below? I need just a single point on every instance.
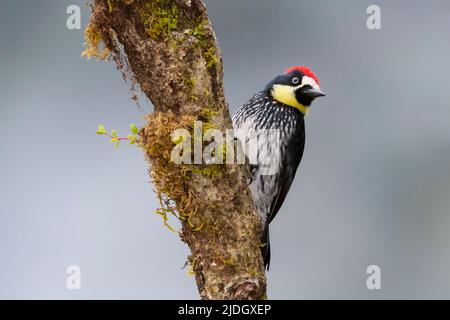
(189, 84)
(110, 6)
(211, 57)
(199, 33)
(209, 54)
(160, 17)
(208, 113)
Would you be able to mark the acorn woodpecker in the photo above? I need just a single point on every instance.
(272, 125)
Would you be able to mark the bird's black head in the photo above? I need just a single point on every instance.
(297, 88)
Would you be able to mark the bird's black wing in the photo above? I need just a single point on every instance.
(294, 154)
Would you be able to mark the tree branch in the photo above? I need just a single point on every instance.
(168, 49)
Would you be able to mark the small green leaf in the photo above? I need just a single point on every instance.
(101, 129)
(134, 129)
(117, 145)
(114, 133)
(132, 138)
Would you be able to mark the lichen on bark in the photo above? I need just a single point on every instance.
(168, 49)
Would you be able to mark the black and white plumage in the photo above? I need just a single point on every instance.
(271, 128)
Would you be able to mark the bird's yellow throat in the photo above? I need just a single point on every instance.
(286, 94)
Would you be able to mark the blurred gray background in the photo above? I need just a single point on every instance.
(373, 188)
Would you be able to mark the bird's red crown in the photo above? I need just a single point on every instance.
(306, 71)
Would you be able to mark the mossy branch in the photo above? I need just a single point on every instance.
(168, 49)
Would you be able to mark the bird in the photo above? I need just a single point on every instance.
(271, 129)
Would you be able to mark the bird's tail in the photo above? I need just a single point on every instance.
(265, 249)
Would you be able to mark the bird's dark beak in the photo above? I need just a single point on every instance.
(312, 93)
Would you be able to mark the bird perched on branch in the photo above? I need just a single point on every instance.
(271, 129)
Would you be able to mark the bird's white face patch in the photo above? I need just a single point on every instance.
(309, 81)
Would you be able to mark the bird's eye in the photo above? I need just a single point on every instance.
(295, 80)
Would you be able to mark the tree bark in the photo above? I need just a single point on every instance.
(168, 49)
